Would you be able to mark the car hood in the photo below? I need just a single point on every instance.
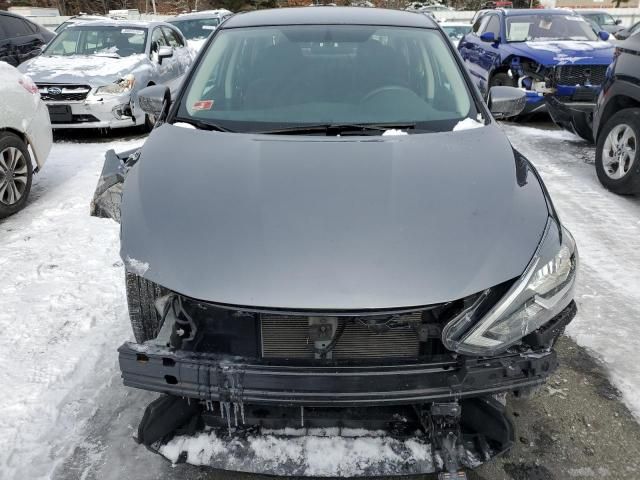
(566, 52)
(351, 223)
(92, 70)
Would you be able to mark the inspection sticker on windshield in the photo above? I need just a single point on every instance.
(131, 31)
(203, 105)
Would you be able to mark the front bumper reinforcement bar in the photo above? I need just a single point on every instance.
(213, 378)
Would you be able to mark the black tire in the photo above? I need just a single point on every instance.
(502, 80)
(629, 183)
(149, 123)
(141, 297)
(9, 142)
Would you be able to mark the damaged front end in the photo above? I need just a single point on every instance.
(108, 194)
(568, 92)
(235, 380)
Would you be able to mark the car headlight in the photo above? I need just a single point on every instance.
(542, 291)
(123, 85)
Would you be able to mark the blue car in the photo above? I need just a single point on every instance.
(554, 55)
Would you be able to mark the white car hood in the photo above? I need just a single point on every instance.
(93, 70)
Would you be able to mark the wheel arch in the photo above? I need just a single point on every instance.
(23, 136)
(617, 103)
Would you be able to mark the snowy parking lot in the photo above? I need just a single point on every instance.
(63, 314)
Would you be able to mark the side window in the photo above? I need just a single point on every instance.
(157, 40)
(172, 37)
(15, 27)
(476, 26)
(493, 25)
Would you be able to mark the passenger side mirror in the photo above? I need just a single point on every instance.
(506, 102)
(155, 100)
(488, 37)
(603, 35)
(164, 52)
(35, 52)
(618, 21)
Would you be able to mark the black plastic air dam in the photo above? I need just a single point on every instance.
(485, 430)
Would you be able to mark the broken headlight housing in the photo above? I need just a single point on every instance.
(123, 85)
(542, 291)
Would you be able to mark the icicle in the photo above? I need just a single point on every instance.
(235, 414)
(242, 412)
(227, 408)
(221, 410)
(302, 416)
(188, 400)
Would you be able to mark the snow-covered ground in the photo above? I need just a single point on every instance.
(63, 310)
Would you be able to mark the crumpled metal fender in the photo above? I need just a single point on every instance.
(108, 195)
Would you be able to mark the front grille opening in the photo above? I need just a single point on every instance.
(292, 337)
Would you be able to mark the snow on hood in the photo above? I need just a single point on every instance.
(563, 52)
(96, 70)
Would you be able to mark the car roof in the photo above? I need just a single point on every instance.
(205, 14)
(514, 12)
(118, 23)
(329, 16)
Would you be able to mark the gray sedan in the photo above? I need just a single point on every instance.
(89, 75)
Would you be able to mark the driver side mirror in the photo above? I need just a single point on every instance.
(155, 100)
(164, 52)
(489, 37)
(618, 21)
(603, 35)
(506, 102)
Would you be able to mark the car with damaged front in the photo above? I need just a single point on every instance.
(553, 55)
(90, 73)
(321, 254)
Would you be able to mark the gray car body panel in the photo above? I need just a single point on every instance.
(338, 223)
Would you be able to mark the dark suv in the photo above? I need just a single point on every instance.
(616, 122)
(21, 39)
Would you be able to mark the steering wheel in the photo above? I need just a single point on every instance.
(385, 89)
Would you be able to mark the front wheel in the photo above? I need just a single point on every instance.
(16, 173)
(617, 153)
(141, 298)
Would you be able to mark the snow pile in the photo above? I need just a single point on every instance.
(62, 312)
(89, 66)
(467, 124)
(308, 455)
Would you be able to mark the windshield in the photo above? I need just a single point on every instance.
(601, 18)
(456, 32)
(196, 29)
(98, 40)
(256, 79)
(541, 27)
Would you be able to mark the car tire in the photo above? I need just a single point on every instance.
(149, 123)
(141, 297)
(611, 147)
(16, 174)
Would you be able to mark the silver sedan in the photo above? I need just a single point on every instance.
(89, 75)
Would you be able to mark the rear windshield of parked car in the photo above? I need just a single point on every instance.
(99, 40)
(251, 79)
(196, 29)
(541, 27)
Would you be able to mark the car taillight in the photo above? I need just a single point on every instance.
(28, 85)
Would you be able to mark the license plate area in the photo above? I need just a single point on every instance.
(60, 113)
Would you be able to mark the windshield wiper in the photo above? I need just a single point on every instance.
(330, 129)
(203, 125)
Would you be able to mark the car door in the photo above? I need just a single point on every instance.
(21, 40)
(181, 52)
(166, 69)
(490, 53)
(474, 52)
